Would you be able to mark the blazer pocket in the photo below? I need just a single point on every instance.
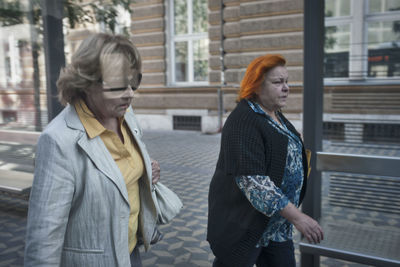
(84, 250)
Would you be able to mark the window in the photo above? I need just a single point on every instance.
(188, 42)
(10, 50)
(362, 39)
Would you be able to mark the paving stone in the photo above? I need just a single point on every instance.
(187, 162)
(175, 246)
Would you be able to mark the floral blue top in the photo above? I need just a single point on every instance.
(269, 199)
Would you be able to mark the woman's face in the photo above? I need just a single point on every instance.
(114, 96)
(274, 91)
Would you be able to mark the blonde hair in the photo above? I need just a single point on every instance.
(77, 79)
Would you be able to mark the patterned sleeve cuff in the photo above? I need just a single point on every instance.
(283, 202)
(262, 193)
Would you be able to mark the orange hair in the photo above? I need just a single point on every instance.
(255, 73)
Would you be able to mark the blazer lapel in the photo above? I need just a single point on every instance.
(98, 153)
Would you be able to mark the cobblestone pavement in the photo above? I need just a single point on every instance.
(187, 162)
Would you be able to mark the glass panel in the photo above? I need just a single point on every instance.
(383, 5)
(22, 69)
(337, 8)
(345, 8)
(180, 17)
(384, 49)
(200, 16)
(200, 57)
(337, 43)
(181, 62)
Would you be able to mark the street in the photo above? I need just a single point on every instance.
(187, 162)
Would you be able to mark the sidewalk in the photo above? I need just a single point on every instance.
(187, 162)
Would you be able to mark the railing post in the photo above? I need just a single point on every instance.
(222, 58)
(313, 107)
(53, 40)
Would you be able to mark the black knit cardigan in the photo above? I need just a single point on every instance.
(249, 146)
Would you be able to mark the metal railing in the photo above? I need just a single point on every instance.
(356, 242)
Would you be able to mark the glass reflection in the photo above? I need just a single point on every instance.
(199, 16)
(180, 17)
(200, 57)
(384, 49)
(337, 8)
(336, 58)
(181, 62)
(377, 6)
(21, 65)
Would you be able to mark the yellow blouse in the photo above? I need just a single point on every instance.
(125, 154)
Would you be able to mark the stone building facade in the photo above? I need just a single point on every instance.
(251, 29)
(355, 105)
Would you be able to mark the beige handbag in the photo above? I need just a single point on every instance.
(168, 204)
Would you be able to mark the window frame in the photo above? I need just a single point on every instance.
(358, 22)
(190, 38)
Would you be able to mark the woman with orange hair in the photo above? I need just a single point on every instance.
(261, 176)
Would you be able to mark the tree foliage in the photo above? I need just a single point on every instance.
(76, 12)
(104, 11)
(10, 13)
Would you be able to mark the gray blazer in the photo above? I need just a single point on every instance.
(79, 209)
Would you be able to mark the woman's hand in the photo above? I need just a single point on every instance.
(304, 223)
(155, 171)
(309, 228)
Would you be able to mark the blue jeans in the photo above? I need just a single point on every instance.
(276, 254)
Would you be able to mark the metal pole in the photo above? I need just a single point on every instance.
(35, 63)
(313, 108)
(53, 40)
(222, 57)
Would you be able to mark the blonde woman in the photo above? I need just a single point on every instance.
(91, 202)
